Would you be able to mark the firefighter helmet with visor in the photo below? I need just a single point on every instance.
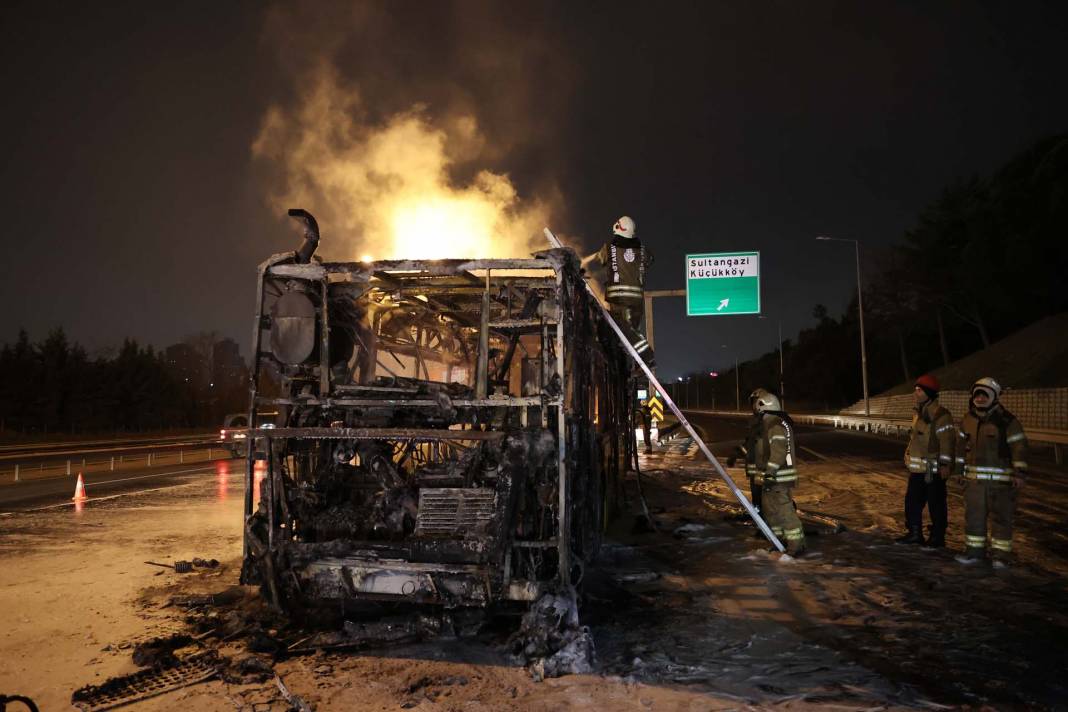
(624, 227)
(764, 401)
(989, 386)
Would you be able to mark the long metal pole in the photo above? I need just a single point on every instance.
(737, 386)
(863, 348)
(782, 383)
(742, 499)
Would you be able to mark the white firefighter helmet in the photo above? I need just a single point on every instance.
(624, 227)
(764, 401)
(991, 387)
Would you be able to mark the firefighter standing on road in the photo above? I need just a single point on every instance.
(624, 260)
(775, 457)
(929, 459)
(994, 461)
(751, 449)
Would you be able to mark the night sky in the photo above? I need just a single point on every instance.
(135, 205)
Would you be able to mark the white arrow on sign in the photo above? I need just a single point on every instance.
(722, 304)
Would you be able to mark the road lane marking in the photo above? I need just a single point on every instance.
(158, 474)
(810, 451)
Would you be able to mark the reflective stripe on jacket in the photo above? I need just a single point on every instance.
(932, 440)
(777, 455)
(994, 445)
(624, 260)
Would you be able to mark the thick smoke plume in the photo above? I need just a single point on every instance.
(398, 169)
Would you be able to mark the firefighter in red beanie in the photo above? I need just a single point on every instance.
(929, 459)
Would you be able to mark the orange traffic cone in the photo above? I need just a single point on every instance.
(79, 490)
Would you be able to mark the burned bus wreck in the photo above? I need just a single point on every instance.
(449, 432)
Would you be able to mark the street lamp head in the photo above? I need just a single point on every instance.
(823, 237)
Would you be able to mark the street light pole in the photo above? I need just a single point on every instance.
(860, 308)
(737, 386)
(782, 383)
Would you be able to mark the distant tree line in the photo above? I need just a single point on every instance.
(54, 386)
(986, 258)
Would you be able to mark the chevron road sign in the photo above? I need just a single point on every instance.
(656, 408)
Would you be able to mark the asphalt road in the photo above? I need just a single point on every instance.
(57, 491)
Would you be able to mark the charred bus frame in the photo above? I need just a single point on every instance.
(415, 457)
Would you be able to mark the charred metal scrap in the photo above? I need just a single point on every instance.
(550, 640)
(446, 432)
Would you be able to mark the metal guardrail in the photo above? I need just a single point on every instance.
(73, 450)
(896, 427)
(6, 451)
(1043, 410)
(68, 463)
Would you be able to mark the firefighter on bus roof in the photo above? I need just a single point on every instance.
(624, 260)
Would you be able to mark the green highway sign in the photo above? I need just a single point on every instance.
(722, 283)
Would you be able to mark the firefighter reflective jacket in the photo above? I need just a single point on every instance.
(775, 454)
(933, 439)
(624, 260)
(994, 445)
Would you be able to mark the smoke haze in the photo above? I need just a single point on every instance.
(400, 164)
